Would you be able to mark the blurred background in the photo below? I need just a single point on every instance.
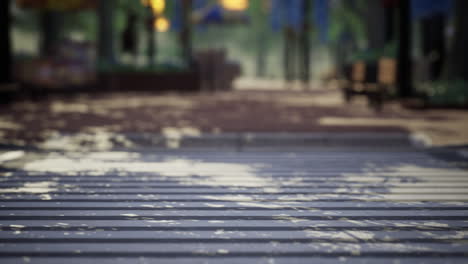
(219, 66)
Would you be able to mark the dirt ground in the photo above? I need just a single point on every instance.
(318, 110)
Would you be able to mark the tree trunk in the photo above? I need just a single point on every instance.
(106, 38)
(305, 44)
(375, 18)
(433, 43)
(289, 50)
(261, 56)
(5, 44)
(347, 44)
(404, 51)
(186, 33)
(259, 33)
(459, 53)
(51, 32)
(151, 39)
(389, 24)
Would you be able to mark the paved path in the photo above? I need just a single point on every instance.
(317, 111)
(317, 206)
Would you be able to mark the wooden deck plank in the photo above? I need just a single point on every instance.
(242, 198)
(304, 207)
(280, 224)
(228, 205)
(222, 236)
(239, 249)
(235, 260)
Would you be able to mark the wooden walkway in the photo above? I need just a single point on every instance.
(227, 207)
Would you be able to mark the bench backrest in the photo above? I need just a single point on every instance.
(359, 72)
(387, 71)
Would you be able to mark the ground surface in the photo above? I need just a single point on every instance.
(75, 199)
(318, 110)
(315, 206)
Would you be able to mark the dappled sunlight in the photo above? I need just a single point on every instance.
(105, 106)
(187, 171)
(403, 182)
(7, 123)
(98, 140)
(344, 235)
(32, 187)
(317, 111)
(233, 131)
(174, 135)
(11, 155)
(371, 206)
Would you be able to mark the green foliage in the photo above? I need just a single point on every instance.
(389, 51)
(446, 93)
(84, 22)
(133, 6)
(366, 56)
(257, 13)
(26, 19)
(344, 19)
(124, 7)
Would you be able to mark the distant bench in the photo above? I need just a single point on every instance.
(373, 80)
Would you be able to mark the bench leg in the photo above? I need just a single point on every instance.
(347, 93)
(376, 100)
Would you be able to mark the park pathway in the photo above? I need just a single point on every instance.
(188, 206)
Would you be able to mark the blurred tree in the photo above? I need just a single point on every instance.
(304, 41)
(130, 19)
(458, 65)
(289, 53)
(390, 12)
(130, 35)
(259, 21)
(374, 16)
(106, 33)
(433, 43)
(51, 23)
(347, 30)
(432, 16)
(5, 44)
(151, 37)
(404, 50)
(288, 16)
(186, 32)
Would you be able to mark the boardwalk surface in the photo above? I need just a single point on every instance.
(398, 206)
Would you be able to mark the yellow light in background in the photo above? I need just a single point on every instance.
(235, 5)
(161, 24)
(157, 6)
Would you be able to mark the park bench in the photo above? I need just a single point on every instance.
(373, 80)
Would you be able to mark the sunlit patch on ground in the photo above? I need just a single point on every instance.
(9, 124)
(99, 140)
(191, 171)
(174, 135)
(32, 187)
(11, 155)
